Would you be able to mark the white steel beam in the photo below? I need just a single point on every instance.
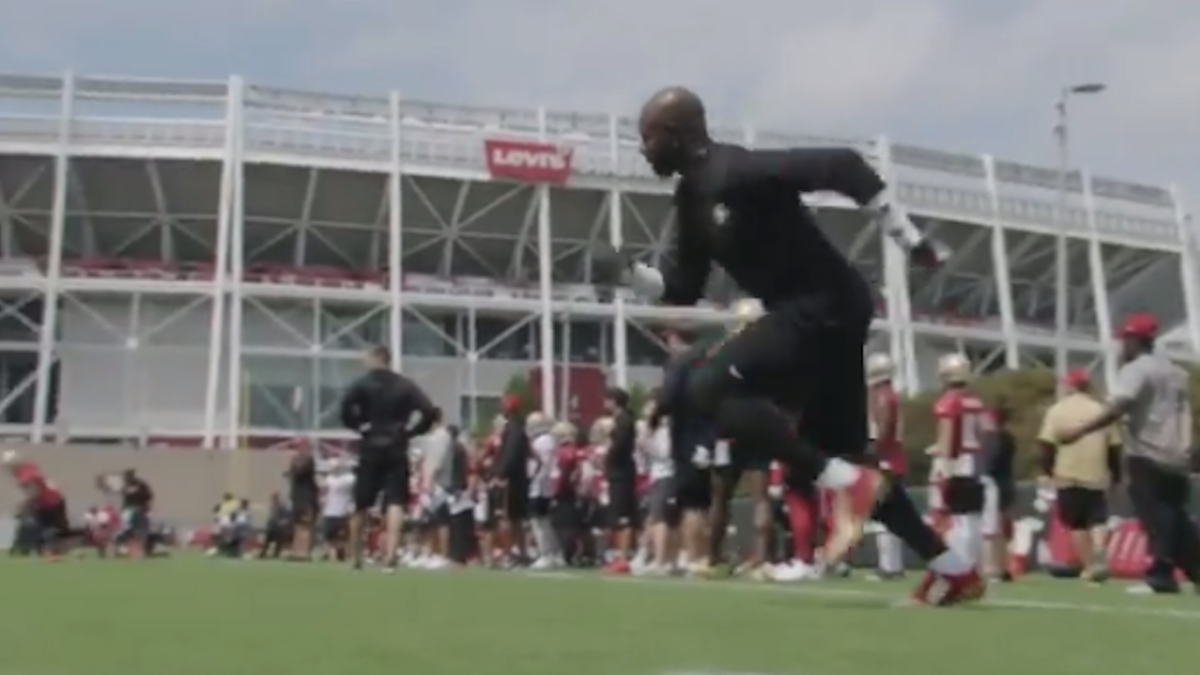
(1000, 264)
(898, 297)
(616, 228)
(1099, 283)
(394, 201)
(237, 268)
(163, 219)
(456, 216)
(58, 217)
(598, 226)
(516, 268)
(218, 340)
(1188, 270)
(76, 193)
(304, 227)
(545, 287)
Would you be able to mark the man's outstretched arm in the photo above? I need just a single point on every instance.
(841, 170)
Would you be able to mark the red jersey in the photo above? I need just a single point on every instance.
(44, 494)
(971, 421)
(562, 476)
(887, 433)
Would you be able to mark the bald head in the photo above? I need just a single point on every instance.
(677, 107)
(674, 129)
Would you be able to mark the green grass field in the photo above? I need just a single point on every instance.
(191, 616)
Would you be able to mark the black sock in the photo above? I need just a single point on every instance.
(756, 425)
(899, 515)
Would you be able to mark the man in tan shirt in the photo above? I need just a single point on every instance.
(1082, 472)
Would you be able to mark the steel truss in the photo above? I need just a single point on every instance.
(253, 352)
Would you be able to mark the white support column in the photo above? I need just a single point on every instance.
(1099, 277)
(620, 350)
(217, 339)
(395, 203)
(545, 293)
(1188, 272)
(1004, 295)
(58, 216)
(898, 299)
(237, 263)
(472, 342)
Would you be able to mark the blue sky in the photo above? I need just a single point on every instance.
(973, 76)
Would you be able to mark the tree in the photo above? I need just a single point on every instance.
(638, 396)
(520, 389)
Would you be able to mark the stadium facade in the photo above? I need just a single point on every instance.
(206, 260)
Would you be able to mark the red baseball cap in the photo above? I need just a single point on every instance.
(511, 403)
(1140, 325)
(1078, 378)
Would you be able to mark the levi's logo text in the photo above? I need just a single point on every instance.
(527, 161)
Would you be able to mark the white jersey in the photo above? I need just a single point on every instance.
(541, 466)
(656, 448)
(339, 495)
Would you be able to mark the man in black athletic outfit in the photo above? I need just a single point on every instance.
(741, 209)
(380, 405)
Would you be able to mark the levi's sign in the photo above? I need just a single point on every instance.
(528, 161)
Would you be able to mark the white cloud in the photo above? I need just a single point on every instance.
(973, 76)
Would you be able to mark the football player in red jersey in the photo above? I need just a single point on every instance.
(886, 434)
(963, 419)
(49, 509)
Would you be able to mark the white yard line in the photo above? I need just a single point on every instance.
(816, 589)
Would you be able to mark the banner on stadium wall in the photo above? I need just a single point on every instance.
(528, 162)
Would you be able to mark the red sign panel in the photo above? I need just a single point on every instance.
(528, 162)
(581, 388)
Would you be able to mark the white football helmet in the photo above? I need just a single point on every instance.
(537, 424)
(879, 368)
(954, 368)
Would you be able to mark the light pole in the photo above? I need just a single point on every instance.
(1062, 275)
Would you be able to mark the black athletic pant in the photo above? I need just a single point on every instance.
(803, 362)
(1160, 497)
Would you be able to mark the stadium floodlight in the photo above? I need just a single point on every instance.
(1087, 88)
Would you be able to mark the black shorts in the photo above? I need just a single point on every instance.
(515, 500)
(964, 496)
(1081, 508)
(304, 502)
(52, 519)
(539, 507)
(693, 486)
(382, 472)
(807, 358)
(622, 504)
(335, 529)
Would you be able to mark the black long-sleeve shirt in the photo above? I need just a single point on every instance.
(620, 461)
(741, 209)
(382, 403)
(514, 451)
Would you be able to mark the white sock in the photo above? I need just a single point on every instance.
(838, 474)
(539, 537)
(966, 537)
(548, 536)
(891, 553)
